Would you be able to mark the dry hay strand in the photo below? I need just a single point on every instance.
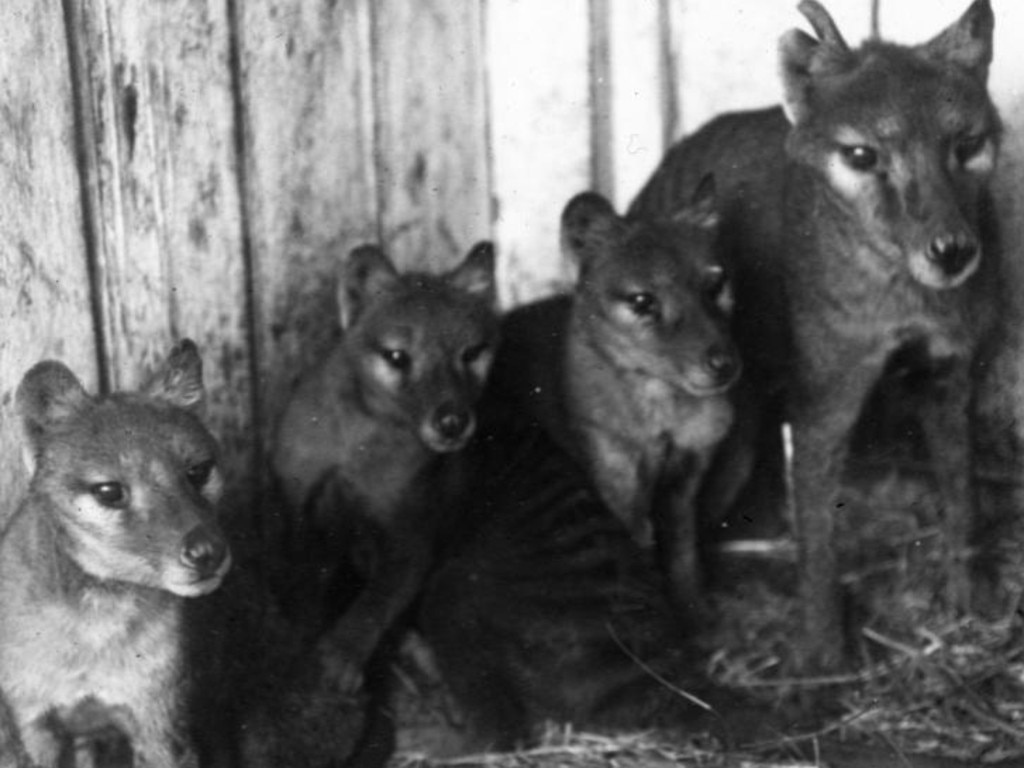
(564, 747)
(928, 681)
(954, 689)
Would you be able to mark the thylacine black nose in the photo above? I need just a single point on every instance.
(204, 550)
(722, 363)
(452, 421)
(952, 253)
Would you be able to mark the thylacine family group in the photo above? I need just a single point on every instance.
(535, 492)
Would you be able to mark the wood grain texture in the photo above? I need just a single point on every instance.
(309, 170)
(431, 122)
(603, 90)
(538, 62)
(641, 90)
(44, 285)
(157, 93)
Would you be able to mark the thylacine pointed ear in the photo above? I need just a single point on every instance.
(702, 211)
(588, 222)
(48, 395)
(365, 273)
(179, 381)
(475, 274)
(796, 51)
(823, 25)
(802, 59)
(967, 42)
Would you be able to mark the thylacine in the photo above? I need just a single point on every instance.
(362, 449)
(863, 243)
(119, 525)
(546, 611)
(631, 372)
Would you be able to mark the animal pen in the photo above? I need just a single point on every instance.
(196, 168)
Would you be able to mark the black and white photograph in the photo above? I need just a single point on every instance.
(511, 383)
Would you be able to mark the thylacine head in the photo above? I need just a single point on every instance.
(130, 481)
(655, 294)
(903, 137)
(420, 345)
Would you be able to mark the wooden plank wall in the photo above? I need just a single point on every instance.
(197, 167)
(44, 281)
(164, 196)
(309, 173)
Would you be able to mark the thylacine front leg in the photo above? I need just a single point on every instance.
(822, 415)
(623, 482)
(166, 749)
(731, 462)
(12, 754)
(397, 574)
(945, 410)
(156, 725)
(40, 743)
(675, 484)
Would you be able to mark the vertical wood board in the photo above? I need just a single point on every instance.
(538, 65)
(640, 88)
(309, 170)
(44, 284)
(162, 169)
(431, 119)
(601, 101)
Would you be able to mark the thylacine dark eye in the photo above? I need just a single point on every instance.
(109, 494)
(643, 304)
(969, 147)
(471, 354)
(860, 157)
(397, 358)
(199, 473)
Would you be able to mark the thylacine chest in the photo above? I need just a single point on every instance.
(120, 650)
(637, 413)
(630, 433)
(869, 324)
(381, 473)
(846, 288)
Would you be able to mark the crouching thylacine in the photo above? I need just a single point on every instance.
(632, 372)
(118, 526)
(364, 453)
(546, 611)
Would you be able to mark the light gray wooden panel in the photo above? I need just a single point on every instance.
(44, 284)
(539, 93)
(157, 83)
(641, 92)
(431, 129)
(309, 170)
